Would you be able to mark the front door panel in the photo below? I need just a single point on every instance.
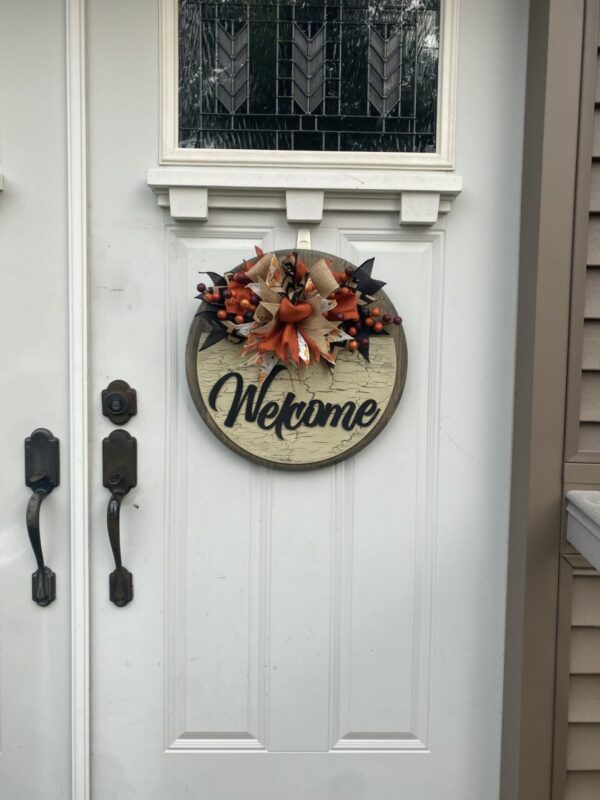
(327, 634)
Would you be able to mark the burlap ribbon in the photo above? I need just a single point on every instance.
(321, 276)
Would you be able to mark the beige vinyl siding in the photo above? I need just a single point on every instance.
(583, 786)
(590, 397)
(591, 345)
(595, 188)
(592, 294)
(593, 251)
(584, 698)
(585, 651)
(585, 608)
(576, 753)
(589, 416)
(583, 736)
(589, 437)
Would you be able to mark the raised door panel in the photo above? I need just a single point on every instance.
(299, 605)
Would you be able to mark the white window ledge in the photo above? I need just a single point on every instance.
(583, 524)
(419, 197)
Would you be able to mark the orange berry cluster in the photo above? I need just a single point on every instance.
(375, 321)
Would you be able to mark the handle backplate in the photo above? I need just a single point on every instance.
(42, 474)
(119, 475)
(119, 402)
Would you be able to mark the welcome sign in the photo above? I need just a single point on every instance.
(307, 413)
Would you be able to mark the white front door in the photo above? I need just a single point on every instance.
(327, 634)
(35, 655)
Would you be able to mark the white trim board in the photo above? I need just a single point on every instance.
(171, 153)
(78, 398)
(419, 197)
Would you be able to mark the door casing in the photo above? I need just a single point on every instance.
(550, 17)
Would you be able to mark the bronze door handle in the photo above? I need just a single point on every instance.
(119, 467)
(42, 474)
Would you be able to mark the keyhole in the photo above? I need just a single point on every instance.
(116, 404)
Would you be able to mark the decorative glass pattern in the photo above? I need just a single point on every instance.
(324, 75)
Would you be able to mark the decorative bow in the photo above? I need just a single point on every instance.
(284, 311)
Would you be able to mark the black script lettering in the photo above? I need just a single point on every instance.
(367, 413)
(335, 411)
(291, 415)
(317, 407)
(288, 410)
(240, 398)
(269, 412)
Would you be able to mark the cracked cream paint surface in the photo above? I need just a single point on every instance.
(352, 379)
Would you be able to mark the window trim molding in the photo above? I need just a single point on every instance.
(171, 153)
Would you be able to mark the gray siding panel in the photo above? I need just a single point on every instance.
(590, 397)
(585, 651)
(594, 241)
(583, 747)
(592, 293)
(591, 345)
(584, 698)
(583, 786)
(589, 437)
(595, 188)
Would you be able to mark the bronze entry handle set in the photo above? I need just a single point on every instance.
(119, 475)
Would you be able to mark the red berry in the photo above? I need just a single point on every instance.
(378, 327)
(397, 320)
(238, 319)
(352, 331)
(365, 342)
(239, 277)
(222, 314)
(387, 317)
(369, 322)
(201, 287)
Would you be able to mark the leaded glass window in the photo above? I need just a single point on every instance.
(320, 75)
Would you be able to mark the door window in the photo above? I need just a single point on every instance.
(318, 75)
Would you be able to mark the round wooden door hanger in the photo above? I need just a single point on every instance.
(296, 360)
